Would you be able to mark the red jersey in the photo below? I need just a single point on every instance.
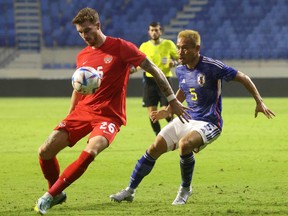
(112, 59)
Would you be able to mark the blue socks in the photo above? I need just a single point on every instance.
(146, 163)
(187, 163)
(143, 167)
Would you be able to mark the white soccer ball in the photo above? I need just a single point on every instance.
(86, 80)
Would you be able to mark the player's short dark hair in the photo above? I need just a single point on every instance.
(155, 24)
(86, 14)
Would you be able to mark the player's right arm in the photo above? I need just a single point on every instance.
(161, 114)
(176, 107)
(75, 98)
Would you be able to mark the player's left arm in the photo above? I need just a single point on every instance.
(250, 86)
(177, 107)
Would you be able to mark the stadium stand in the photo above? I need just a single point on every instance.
(122, 18)
(7, 32)
(244, 28)
(249, 26)
(247, 29)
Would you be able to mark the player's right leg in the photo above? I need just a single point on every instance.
(57, 141)
(47, 152)
(143, 167)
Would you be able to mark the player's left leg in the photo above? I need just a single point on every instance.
(164, 142)
(187, 163)
(202, 133)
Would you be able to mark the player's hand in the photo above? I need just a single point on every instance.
(159, 114)
(180, 110)
(132, 69)
(172, 63)
(261, 107)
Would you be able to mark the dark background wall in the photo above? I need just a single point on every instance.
(272, 87)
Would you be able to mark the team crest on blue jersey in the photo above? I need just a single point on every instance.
(201, 79)
(108, 59)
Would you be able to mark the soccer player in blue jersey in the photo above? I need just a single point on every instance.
(200, 80)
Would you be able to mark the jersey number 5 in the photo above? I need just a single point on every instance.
(194, 94)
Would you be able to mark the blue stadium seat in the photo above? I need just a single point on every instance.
(245, 25)
(230, 29)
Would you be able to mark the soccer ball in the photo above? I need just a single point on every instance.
(86, 80)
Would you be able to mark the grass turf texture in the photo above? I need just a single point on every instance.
(244, 172)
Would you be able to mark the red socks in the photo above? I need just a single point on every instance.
(50, 169)
(71, 173)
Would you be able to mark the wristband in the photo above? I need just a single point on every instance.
(171, 97)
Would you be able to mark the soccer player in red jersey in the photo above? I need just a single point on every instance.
(101, 114)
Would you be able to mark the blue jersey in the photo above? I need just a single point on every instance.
(202, 88)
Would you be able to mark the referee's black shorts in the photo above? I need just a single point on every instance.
(152, 94)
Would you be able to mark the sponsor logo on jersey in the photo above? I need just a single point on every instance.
(108, 59)
(201, 79)
(84, 62)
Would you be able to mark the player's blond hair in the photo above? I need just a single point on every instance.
(86, 14)
(192, 35)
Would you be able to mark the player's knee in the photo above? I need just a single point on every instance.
(48, 149)
(43, 153)
(190, 142)
(157, 149)
(185, 147)
(153, 152)
(96, 145)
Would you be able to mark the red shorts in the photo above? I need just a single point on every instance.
(80, 123)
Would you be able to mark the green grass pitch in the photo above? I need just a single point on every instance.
(244, 172)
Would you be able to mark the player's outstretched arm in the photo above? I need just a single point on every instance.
(250, 86)
(176, 107)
